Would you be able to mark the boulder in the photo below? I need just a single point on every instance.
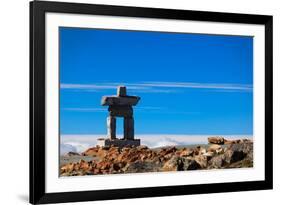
(216, 162)
(180, 164)
(202, 160)
(237, 152)
(209, 154)
(190, 164)
(141, 166)
(186, 152)
(216, 140)
(215, 148)
(199, 150)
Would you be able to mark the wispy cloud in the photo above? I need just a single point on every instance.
(197, 85)
(160, 87)
(101, 86)
(85, 109)
(150, 109)
(96, 109)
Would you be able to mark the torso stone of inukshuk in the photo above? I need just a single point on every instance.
(120, 106)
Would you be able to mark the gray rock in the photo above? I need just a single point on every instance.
(121, 91)
(121, 101)
(111, 127)
(202, 160)
(121, 111)
(142, 166)
(129, 128)
(180, 164)
(190, 164)
(237, 152)
(216, 162)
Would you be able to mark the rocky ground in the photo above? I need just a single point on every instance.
(218, 154)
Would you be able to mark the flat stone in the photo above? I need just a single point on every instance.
(120, 101)
(118, 142)
(121, 111)
(216, 140)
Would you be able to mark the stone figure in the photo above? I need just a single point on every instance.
(120, 105)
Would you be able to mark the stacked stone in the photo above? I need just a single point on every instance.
(120, 106)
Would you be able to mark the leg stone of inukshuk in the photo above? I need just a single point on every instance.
(111, 127)
(129, 128)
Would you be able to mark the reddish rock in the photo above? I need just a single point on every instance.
(91, 151)
(217, 149)
(216, 140)
(186, 152)
(113, 160)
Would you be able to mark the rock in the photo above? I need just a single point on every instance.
(112, 160)
(237, 152)
(103, 165)
(246, 140)
(216, 140)
(180, 164)
(121, 91)
(232, 141)
(121, 111)
(141, 166)
(209, 154)
(111, 127)
(102, 152)
(215, 149)
(190, 164)
(85, 166)
(173, 164)
(233, 155)
(120, 101)
(199, 150)
(91, 151)
(125, 149)
(70, 154)
(168, 150)
(216, 162)
(186, 152)
(237, 141)
(241, 164)
(67, 168)
(201, 160)
(142, 147)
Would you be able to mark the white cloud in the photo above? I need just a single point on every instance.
(198, 85)
(166, 141)
(160, 87)
(100, 86)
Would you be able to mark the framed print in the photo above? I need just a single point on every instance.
(130, 102)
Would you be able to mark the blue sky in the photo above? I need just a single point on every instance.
(188, 83)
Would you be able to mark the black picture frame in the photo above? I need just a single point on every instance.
(37, 191)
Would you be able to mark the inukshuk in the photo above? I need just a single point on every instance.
(120, 105)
